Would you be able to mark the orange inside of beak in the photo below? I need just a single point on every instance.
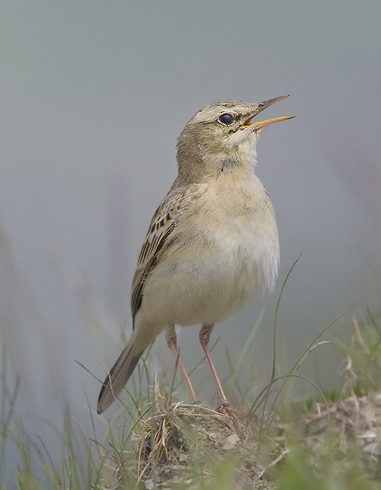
(256, 126)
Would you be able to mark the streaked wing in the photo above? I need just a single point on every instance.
(159, 235)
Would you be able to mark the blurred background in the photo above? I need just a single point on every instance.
(93, 97)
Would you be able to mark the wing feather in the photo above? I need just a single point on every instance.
(160, 234)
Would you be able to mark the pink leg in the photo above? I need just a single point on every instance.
(205, 332)
(171, 338)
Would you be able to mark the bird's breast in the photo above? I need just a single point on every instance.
(225, 249)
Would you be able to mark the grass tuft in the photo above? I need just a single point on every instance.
(330, 441)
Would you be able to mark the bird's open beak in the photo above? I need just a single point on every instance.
(256, 126)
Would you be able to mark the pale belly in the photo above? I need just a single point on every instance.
(205, 280)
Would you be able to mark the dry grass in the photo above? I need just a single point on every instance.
(186, 444)
(189, 446)
(335, 443)
(327, 442)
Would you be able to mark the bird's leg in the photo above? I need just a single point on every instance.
(205, 332)
(171, 337)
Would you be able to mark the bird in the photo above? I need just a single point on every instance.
(212, 244)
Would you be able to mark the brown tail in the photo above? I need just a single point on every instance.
(118, 376)
(143, 334)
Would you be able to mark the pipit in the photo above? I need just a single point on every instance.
(212, 243)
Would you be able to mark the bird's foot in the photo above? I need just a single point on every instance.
(196, 402)
(226, 409)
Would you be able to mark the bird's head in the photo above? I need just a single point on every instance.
(221, 137)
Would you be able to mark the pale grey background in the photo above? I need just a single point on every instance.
(93, 96)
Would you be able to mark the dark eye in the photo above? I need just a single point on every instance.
(226, 118)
